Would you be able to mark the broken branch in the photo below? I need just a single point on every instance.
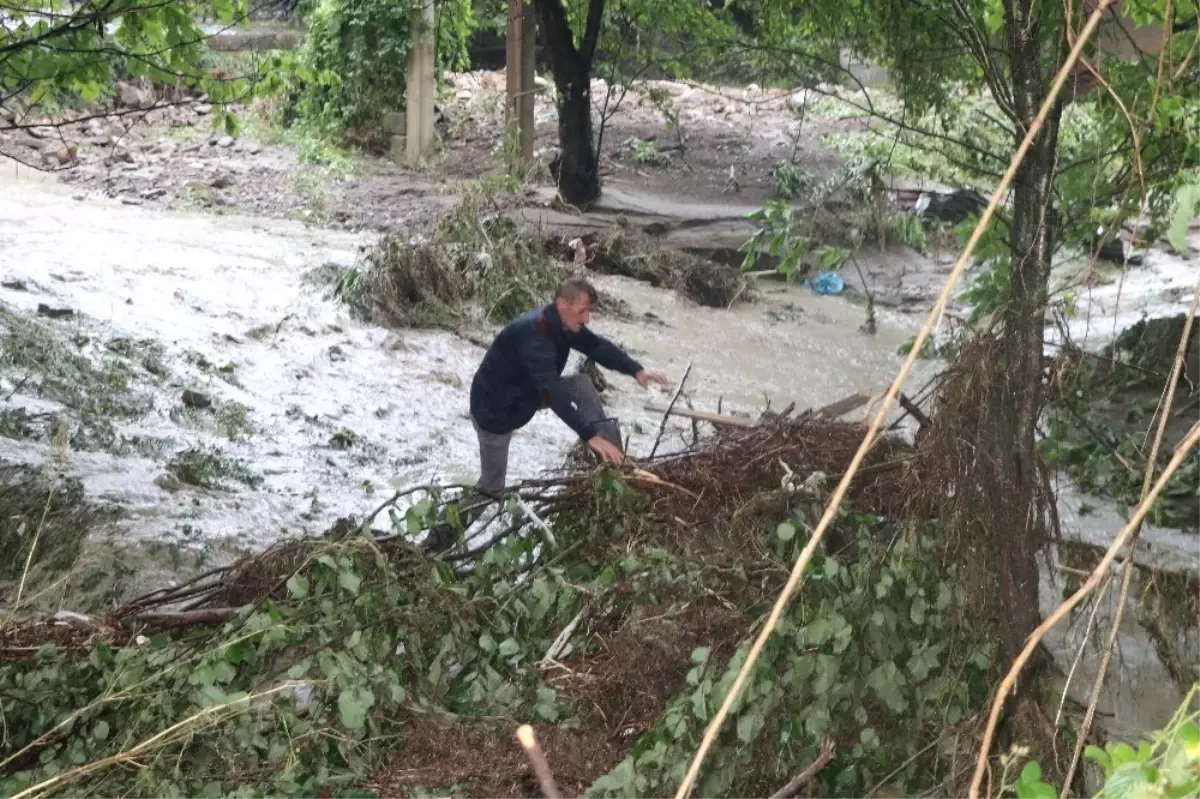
(538, 760)
(805, 777)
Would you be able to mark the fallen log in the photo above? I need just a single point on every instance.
(185, 618)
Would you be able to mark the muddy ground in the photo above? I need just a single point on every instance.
(171, 156)
(667, 167)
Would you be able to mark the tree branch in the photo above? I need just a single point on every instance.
(591, 31)
(805, 777)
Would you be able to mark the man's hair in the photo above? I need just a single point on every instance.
(575, 287)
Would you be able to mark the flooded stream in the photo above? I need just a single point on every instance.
(338, 412)
(341, 410)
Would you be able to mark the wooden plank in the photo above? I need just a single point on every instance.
(843, 406)
(705, 416)
(831, 411)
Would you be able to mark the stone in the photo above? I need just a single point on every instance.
(202, 108)
(195, 399)
(131, 96)
(51, 312)
(14, 285)
(225, 141)
(222, 181)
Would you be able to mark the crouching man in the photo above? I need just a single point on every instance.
(522, 374)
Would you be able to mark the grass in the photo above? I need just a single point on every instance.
(209, 467)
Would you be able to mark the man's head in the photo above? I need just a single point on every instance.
(575, 299)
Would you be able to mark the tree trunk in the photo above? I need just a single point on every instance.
(577, 168)
(1015, 397)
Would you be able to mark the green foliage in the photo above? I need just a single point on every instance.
(1165, 763)
(1187, 206)
(225, 703)
(353, 64)
(869, 653)
(792, 234)
(788, 181)
(54, 54)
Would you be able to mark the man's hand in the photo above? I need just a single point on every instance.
(643, 377)
(605, 449)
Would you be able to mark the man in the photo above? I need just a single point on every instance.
(522, 374)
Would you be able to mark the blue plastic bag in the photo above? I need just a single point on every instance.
(825, 283)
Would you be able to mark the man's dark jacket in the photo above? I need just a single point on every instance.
(522, 372)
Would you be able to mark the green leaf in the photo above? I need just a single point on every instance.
(353, 705)
(1099, 757)
(349, 580)
(223, 672)
(786, 531)
(700, 654)
(509, 647)
(297, 584)
(1187, 205)
(100, 731)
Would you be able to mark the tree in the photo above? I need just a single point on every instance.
(55, 54)
(577, 167)
(1101, 157)
(634, 35)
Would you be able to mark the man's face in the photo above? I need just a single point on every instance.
(575, 314)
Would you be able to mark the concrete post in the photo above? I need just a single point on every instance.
(422, 85)
(518, 70)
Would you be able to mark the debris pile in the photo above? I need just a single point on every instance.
(617, 252)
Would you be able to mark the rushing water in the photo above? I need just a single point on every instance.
(231, 289)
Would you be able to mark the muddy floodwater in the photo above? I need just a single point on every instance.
(341, 411)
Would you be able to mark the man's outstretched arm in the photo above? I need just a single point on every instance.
(610, 356)
(604, 352)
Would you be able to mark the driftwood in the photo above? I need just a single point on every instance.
(705, 416)
(833, 410)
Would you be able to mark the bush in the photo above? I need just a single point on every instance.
(353, 65)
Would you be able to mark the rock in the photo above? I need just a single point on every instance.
(40, 132)
(254, 149)
(225, 141)
(54, 313)
(131, 96)
(202, 108)
(7, 114)
(66, 155)
(798, 100)
(195, 399)
(154, 193)
(13, 285)
(127, 200)
(168, 482)
(222, 181)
